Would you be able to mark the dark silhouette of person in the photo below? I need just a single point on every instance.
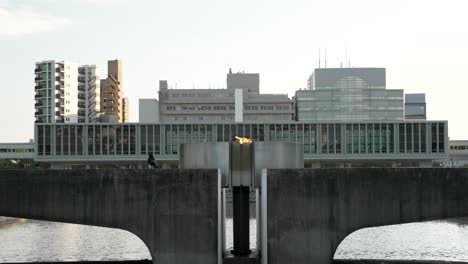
(152, 164)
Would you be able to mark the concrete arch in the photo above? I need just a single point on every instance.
(174, 212)
(115, 232)
(310, 212)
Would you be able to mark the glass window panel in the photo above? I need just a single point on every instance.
(118, 138)
(362, 138)
(157, 139)
(441, 138)
(338, 138)
(401, 133)
(58, 140)
(349, 138)
(143, 139)
(97, 139)
(132, 139)
(324, 140)
(423, 138)
(79, 140)
(416, 134)
(72, 140)
(409, 138)
(434, 137)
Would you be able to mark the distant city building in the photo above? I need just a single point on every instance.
(56, 92)
(219, 105)
(17, 150)
(348, 94)
(458, 154)
(248, 81)
(112, 92)
(89, 90)
(415, 106)
(125, 110)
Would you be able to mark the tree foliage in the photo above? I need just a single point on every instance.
(16, 163)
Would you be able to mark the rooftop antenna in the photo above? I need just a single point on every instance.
(346, 56)
(325, 58)
(319, 57)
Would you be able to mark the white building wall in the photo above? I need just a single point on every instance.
(238, 106)
(71, 92)
(148, 110)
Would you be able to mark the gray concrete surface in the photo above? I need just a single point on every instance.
(174, 212)
(310, 212)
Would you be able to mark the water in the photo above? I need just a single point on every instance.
(29, 241)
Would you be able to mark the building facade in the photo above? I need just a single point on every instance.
(112, 100)
(330, 144)
(458, 154)
(89, 93)
(56, 92)
(348, 94)
(415, 106)
(219, 105)
(24, 150)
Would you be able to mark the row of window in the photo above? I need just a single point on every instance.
(225, 107)
(132, 139)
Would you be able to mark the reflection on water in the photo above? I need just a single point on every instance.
(440, 240)
(45, 241)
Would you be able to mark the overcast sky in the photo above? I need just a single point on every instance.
(423, 44)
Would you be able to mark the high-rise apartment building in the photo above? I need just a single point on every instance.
(125, 110)
(112, 92)
(56, 92)
(88, 93)
(348, 94)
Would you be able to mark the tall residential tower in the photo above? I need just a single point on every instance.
(56, 92)
(112, 101)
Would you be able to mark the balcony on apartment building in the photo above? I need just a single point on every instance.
(38, 104)
(37, 87)
(60, 68)
(81, 104)
(60, 95)
(81, 79)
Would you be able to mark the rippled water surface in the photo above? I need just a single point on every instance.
(45, 241)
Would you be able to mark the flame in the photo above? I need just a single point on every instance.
(243, 140)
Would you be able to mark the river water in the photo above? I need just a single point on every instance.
(29, 241)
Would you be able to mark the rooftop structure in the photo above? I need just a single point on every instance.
(415, 106)
(349, 94)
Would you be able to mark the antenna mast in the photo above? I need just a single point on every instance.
(319, 58)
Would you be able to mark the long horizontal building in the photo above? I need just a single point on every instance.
(326, 144)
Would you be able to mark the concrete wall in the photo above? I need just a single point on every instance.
(174, 212)
(310, 212)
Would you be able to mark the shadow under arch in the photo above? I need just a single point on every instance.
(412, 241)
(40, 240)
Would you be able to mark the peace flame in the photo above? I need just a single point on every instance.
(243, 140)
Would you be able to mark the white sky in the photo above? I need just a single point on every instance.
(423, 45)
